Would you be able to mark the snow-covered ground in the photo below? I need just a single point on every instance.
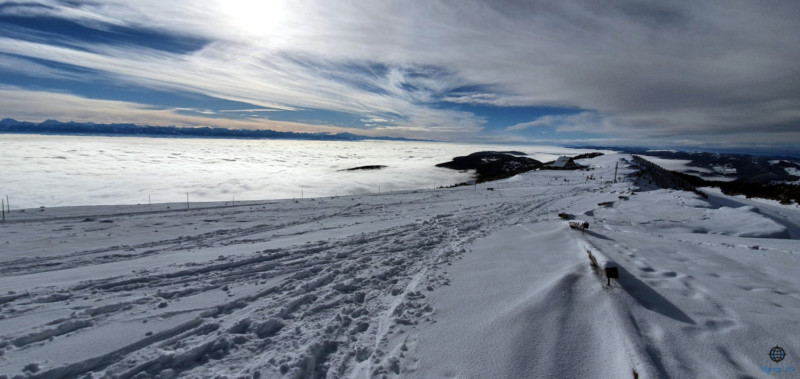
(460, 282)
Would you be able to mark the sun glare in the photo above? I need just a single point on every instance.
(253, 17)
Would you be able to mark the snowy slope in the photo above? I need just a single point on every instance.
(462, 282)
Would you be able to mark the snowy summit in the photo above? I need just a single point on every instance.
(457, 282)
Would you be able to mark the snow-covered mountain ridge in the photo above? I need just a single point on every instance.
(458, 282)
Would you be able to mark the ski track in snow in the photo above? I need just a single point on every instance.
(348, 286)
(328, 294)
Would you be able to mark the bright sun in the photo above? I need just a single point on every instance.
(263, 18)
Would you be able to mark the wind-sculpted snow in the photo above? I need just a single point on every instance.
(375, 285)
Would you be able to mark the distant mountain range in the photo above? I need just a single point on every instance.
(9, 125)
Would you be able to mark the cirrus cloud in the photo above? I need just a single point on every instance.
(638, 71)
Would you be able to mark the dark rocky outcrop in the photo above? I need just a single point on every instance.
(493, 165)
(587, 155)
(372, 167)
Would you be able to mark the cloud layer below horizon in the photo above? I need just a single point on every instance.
(697, 73)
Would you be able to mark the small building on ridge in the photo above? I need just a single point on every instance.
(564, 163)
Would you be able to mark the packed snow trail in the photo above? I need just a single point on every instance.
(367, 286)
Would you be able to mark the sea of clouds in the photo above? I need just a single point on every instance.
(49, 171)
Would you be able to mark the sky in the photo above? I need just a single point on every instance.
(698, 74)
